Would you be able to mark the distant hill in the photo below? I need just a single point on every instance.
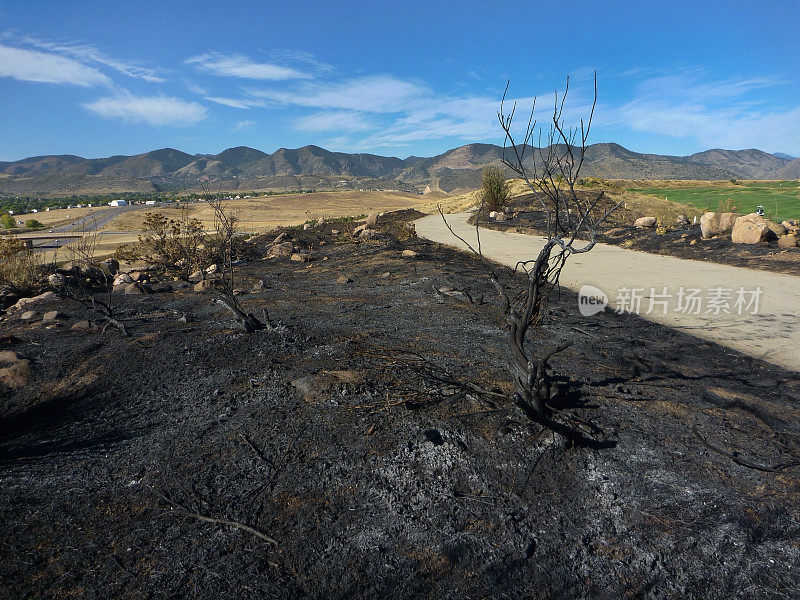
(784, 155)
(308, 167)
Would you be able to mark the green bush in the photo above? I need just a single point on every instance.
(33, 224)
(8, 221)
(494, 188)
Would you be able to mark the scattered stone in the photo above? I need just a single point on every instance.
(714, 223)
(25, 302)
(320, 221)
(306, 227)
(750, 229)
(258, 285)
(357, 231)
(344, 279)
(409, 254)
(212, 269)
(645, 222)
(335, 232)
(682, 221)
(500, 217)
(368, 234)
(196, 277)
(302, 257)
(17, 372)
(81, 326)
(493, 214)
(28, 315)
(693, 242)
(51, 316)
(280, 238)
(203, 286)
(385, 275)
(372, 221)
(136, 288)
(184, 318)
(787, 241)
(160, 288)
(57, 280)
(776, 228)
(122, 279)
(280, 249)
(111, 265)
(8, 340)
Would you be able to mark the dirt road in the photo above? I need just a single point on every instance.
(710, 301)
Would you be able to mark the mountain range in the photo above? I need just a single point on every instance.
(312, 167)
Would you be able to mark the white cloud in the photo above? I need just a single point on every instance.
(723, 113)
(89, 54)
(45, 67)
(333, 121)
(377, 94)
(238, 65)
(152, 110)
(243, 103)
(244, 126)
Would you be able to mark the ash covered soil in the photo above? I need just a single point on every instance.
(121, 456)
(681, 242)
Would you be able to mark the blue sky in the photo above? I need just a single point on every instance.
(400, 78)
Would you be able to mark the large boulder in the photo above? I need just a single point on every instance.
(28, 302)
(715, 223)
(682, 221)
(280, 249)
(776, 228)
(750, 229)
(15, 370)
(372, 221)
(645, 222)
(787, 241)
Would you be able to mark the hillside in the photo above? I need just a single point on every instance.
(244, 168)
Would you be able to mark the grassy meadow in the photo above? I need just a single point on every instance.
(780, 199)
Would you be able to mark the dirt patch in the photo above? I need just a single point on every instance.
(387, 484)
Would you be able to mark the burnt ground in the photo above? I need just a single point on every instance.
(685, 243)
(374, 479)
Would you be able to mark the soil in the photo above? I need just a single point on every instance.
(376, 475)
(681, 242)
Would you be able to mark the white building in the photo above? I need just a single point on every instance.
(117, 203)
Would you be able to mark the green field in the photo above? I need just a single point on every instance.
(780, 199)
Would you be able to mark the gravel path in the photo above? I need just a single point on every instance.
(772, 334)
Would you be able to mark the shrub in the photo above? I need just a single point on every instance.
(20, 266)
(8, 221)
(33, 224)
(494, 188)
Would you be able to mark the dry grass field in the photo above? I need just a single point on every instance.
(262, 214)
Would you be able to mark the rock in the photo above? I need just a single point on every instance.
(787, 241)
(693, 242)
(26, 302)
(280, 238)
(57, 280)
(714, 223)
(122, 279)
(385, 275)
(111, 266)
(372, 221)
(344, 279)
(8, 296)
(203, 286)
(367, 234)
(51, 316)
(302, 257)
(196, 277)
(135, 288)
(81, 326)
(160, 288)
(493, 214)
(8, 357)
(16, 374)
(645, 222)
(500, 217)
(258, 285)
(8, 340)
(776, 228)
(320, 221)
(335, 232)
(357, 231)
(408, 254)
(280, 249)
(750, 229)
(682, 221)
(212, 269)
(28, 315)
(306, 227)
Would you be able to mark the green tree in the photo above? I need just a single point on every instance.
(8, 221)
(33, 224)
(494, 188)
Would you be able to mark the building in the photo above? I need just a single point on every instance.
(117, 203)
